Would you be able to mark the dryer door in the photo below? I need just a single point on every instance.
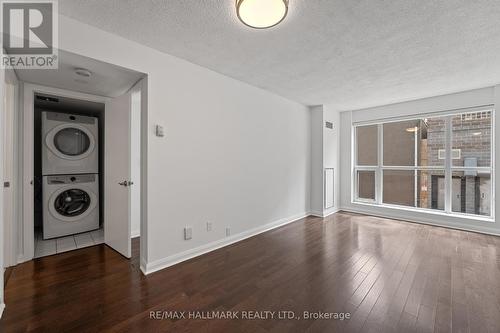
(71, 141)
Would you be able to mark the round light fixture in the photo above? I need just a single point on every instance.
(261, 14)
(83, 72)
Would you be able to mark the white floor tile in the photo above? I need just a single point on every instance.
(83, 240)
(45, 248)
(65, 244)
(58, 245)
(98, 236)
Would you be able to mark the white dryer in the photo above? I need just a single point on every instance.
(70, 204)
(69, 144)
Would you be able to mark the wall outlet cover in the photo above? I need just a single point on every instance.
(188, 233)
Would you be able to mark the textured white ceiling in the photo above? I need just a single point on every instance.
(348, 53)
(106, 80)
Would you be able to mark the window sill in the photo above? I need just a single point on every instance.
(430, 212)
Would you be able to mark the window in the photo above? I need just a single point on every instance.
(366, 185)
(440, 163)
(366, 136)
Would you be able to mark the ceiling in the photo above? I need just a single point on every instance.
(106, 79)
(348, 53)
(65, 104)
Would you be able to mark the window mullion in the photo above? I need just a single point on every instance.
(379, 185)
(448, 161)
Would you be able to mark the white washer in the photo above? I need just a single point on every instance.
(69, 144)
(70, 204)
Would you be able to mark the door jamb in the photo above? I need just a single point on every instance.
(10, 225)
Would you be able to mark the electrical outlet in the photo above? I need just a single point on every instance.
(209, 226)
(188, 233)
(228, 231)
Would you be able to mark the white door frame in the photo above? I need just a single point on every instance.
(11, 166)
(26, 127)
(2, 85)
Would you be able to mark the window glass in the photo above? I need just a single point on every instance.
(471, 139)
(399, 187)
(430, 189)
(366, 184)
(431, 142)
(425, 136)
(471, 193)
(71, 141)
(413, 168)
(366, 139)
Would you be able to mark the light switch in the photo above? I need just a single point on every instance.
(160, 132)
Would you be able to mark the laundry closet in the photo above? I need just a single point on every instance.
(69, 166)
(80, 137)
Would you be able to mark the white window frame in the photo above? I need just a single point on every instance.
(447, 168)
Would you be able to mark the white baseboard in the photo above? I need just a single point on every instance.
(2, 307)
(135, 233)
(143, 265)
(183, 256)
(316, 213)
(325, 213)
(330, 211)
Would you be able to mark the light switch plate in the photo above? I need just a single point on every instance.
(160, 131)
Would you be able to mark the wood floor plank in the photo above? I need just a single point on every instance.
(391, 276)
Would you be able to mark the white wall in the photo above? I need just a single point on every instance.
(2, 128)
(317, 160)
(331, 146)
(234, 155)
(466, 99)
(324, 154)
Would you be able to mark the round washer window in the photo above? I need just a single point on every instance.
(72, 141)
(72, 202)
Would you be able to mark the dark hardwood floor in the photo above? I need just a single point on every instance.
(391, 276)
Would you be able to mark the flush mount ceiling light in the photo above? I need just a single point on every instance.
(83, 72)
(261, 14)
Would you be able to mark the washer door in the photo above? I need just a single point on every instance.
(70, 141)
(72, 203)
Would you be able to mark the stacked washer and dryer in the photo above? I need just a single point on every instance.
(70, 170)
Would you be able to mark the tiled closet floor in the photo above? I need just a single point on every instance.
(58, 245)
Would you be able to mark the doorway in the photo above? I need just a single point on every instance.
(116, 106)
(68, 174)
